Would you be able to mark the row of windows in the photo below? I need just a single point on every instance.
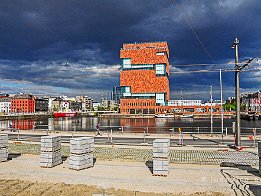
(24, 101)
(144, 111)
(130, 104)
(5, 104)
(138, 111)
(22, 105)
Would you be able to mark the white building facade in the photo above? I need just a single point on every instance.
(5, 105)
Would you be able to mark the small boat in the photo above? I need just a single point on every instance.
(64, 114)
(247, 115)
(187, 116)
(164, 116)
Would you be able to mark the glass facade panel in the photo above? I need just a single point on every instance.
(126, 63)
(125, 89)
(160, 99)
(160, 69)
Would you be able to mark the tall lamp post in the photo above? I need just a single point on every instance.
(221, 102)
(211, 112)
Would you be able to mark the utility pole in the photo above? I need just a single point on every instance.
(221, 102)
(182, 110)
(238, 139)
(237, 92)
(211, 109)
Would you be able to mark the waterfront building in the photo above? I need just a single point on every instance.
(251, 101)
(96, 106)
(50, 104)
(116, 94)
(5, 105)
(75, 105)
(231, 100)
(41, 105)
(88, 103)
(184, 102)
(144, 78)
(104, 104)
(113, 105)
(65, 105)
(56, 104)
(23, 103)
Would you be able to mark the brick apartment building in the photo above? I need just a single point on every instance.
(23, 103)
(144, 78)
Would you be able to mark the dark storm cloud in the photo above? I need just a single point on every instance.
(39, 37)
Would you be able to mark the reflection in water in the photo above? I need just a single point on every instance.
(153, 125)
(23, 124)
(189, 120)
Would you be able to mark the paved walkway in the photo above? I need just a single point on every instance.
(194, 156)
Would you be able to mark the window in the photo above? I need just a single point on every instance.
(160, 69)
(125, 89)
(126, 63)
(160, 99)
(160, 53)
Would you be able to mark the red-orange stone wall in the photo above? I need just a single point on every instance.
(145, 53)
(144, 81)
(22, 105)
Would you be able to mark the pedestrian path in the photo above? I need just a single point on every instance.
(195, 156)
(179, 156)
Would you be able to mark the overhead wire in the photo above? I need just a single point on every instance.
(193, 30)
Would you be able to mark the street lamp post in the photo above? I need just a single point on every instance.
(221, 102)
(211, 111)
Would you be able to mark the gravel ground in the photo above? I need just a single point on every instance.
(25, 188)
(23, 176)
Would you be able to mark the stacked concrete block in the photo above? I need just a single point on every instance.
(3, 147)
(161, 152)
(81, 153)
(50, 151)
(259, 155)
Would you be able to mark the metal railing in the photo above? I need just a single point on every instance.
(147, 129)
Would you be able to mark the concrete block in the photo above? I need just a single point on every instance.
(161, 150)
(50, 139)
(77, 157)
(157, 161)
(78, 167)
(3, 154)
(259, 149)
(160, 164)
(51, 144)
(3, 140)
(160, 155)
(54, 161)
(161, 172)
(80, 149)
(3, 150)
(3, 136)
(82, 140)
(50, 149)
(161, 143)
(50, 155)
